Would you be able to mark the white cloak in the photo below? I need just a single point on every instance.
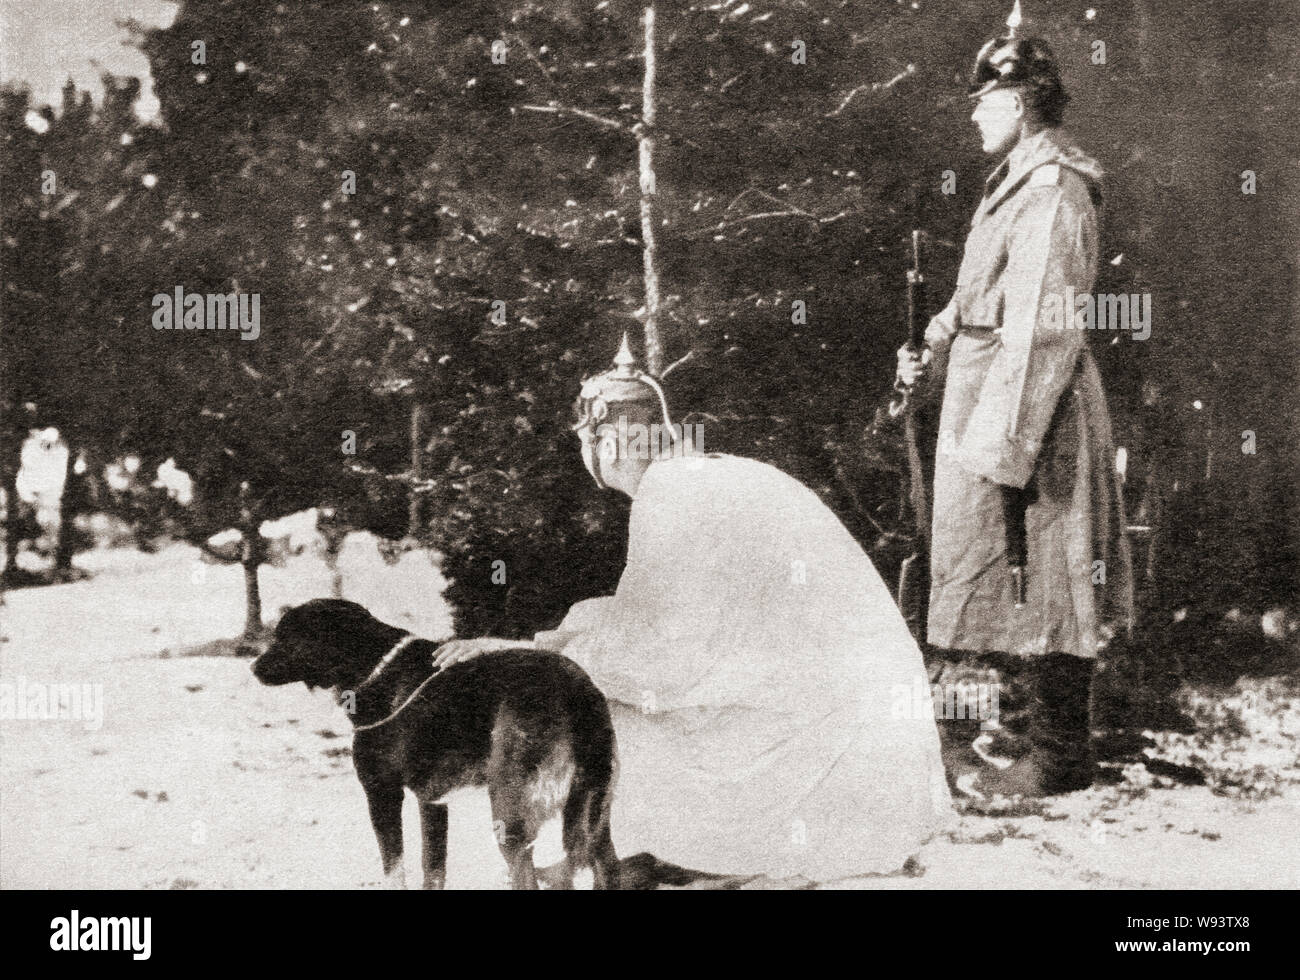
(771, 708)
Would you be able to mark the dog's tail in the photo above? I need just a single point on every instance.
(586, 833)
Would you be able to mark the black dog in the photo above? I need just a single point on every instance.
(529, 724)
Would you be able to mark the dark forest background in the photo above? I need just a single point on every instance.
(479, 182)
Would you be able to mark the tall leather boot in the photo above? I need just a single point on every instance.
(961, 763)
(1061, 758)
(957, 729)
(1060, 728)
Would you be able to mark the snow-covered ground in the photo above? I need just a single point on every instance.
(200, 777)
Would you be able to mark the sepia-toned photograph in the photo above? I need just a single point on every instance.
(664, 445)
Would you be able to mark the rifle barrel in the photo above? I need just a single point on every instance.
(915, 296)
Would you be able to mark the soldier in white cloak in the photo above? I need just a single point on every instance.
(772, 711)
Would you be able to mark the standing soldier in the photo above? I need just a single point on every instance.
(1028, 556)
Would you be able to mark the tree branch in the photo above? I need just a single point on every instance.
(872, 87)
(760, 193)
(580, 113)
(517, 39)
(677, 363)
(789, 213)
(213, 553)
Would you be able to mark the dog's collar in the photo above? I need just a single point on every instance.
(384, 661)
(387, 659)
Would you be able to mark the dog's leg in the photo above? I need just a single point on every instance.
(510, 825)
(604, 863)
(385, 800)
(517, 849)
(433, 825)
(523, 875)
(557, 877)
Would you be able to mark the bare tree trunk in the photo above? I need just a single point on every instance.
(336, 577)
(1143, 35)
(653, 344)
(70, 502)
(251, 556)
(332, 532)
(417, 468)
(11, 457)
(252, 594)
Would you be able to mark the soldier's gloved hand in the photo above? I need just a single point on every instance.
(913, 364)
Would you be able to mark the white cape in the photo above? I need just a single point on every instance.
(771, 708)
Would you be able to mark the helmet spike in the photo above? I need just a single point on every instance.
(1013, 22)
(1012, 59)
(624, 360)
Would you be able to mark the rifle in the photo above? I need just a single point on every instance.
(914, 576)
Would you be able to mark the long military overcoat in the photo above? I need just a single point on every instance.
(1023, 407)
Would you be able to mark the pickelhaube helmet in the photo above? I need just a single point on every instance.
(624, 383)
(1011, 61)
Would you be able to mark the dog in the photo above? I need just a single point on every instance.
(528, 724)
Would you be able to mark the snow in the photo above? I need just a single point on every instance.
(40, 474)
(201, 777)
